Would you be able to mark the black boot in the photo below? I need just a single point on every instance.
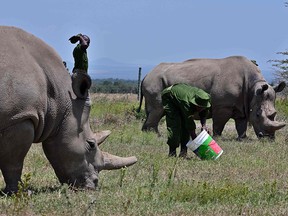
(172, 152)
(183, 152)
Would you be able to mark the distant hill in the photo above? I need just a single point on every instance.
(108, 68)
(105, 68)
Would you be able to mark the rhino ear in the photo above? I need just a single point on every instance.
(280, 87)
(81, 82)
(101, 136)
(263, 88)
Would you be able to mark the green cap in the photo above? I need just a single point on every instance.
(201, 99)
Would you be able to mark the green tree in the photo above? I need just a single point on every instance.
(114, 86)
(281, 71)
(281, 67)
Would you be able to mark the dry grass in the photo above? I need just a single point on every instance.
(250, 178)
(113, 97)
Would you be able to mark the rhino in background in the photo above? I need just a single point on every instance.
(237, 88)
(37, 105)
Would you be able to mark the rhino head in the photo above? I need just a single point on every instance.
(74, 152)
(262, 109)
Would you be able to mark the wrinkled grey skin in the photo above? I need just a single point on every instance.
(39, 105)
(237, 87)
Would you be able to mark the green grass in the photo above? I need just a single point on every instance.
(250, 178)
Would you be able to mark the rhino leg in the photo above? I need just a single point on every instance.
(15, 142)
(220, 118)
(152, 120)
(241, 127)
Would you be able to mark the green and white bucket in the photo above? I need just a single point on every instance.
(205, 147)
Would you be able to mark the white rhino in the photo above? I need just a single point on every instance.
(237, 87)
(38, 105)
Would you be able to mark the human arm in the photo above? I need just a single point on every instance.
(203, 116)
(83, 42)
(75, 38)
(193, 134)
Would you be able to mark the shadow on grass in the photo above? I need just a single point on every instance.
(44, 190)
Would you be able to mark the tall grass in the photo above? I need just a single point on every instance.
(250, 178)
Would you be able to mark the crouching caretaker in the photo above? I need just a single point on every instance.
(181, 102)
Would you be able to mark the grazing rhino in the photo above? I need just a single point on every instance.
(237, 87)
(41, 103)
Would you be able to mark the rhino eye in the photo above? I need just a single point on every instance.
(258, 113)
(92, 144)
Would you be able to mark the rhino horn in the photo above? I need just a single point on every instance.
(114, 162)
(279, 125)
(101, 136)
(275, 125)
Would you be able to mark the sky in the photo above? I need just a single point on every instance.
(148, 32)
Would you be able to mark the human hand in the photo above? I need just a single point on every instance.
(205, 128)
(74, 39)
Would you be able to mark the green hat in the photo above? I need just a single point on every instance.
(201, 99)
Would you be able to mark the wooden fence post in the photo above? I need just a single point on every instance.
(139, 84)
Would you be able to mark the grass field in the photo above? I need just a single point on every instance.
(250, 178)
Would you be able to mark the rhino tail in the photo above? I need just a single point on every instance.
(115, 162)
(141, 97)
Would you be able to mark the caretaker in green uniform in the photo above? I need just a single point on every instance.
(80, 53)
(180, 103)
(80, 70)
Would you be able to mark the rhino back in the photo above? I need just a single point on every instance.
(153, 81)
(222, 78)
(33, 81)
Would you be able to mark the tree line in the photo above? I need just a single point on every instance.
(114, 86)
(281, 66)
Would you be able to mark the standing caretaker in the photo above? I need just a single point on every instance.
(80, 75)
(181, 102)
(80, 53)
